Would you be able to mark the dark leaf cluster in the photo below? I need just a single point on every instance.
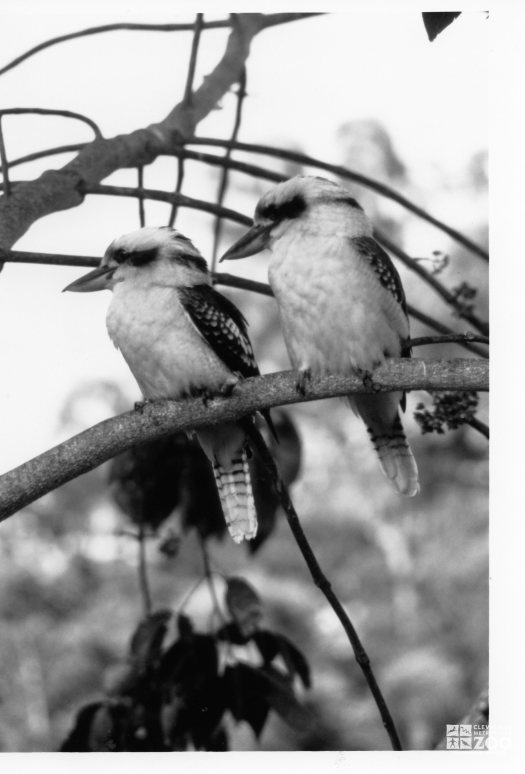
(150, 481)
(450, 409)
(464, 295)
(180, 695)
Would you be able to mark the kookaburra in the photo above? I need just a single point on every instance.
(340, 298)
(181, 338)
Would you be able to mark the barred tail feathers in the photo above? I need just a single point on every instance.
(396, 458)
(380, 414)
(235, 492)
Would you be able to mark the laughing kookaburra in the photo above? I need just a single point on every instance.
(341, 302)
(181, 338)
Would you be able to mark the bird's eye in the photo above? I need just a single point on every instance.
(287, 210)
(119, 255)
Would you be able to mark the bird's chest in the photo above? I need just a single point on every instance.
(331, 307)
(162, 347)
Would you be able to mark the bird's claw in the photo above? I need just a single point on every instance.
(141, 404)
(303, 380)
(368, 381)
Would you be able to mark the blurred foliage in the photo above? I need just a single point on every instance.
(181, 696)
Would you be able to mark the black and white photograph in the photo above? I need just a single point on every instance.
(244, 398)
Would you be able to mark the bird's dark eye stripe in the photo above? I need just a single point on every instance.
(287, 210)
(193, 261)
(142, 257)
(351, 202)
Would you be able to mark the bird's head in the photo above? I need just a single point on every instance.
(159, 255)
(302, 204)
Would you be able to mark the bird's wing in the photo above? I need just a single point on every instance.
(222, 326)
(381, 263)
(387, 274)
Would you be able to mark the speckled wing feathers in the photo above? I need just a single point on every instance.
(382, 265)
(222, 325)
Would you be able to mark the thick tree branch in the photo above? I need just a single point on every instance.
(86, 451)
(61, 189)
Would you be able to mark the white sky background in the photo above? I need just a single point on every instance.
(303, 82)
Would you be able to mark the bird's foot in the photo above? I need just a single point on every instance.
(367, 378)
(304, 378)
(207, 395)
(141, 404)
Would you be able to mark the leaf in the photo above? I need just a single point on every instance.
(219, 742)
(244, 696)
(437, 21)
(78, 738)
(243, 605)
(188, 664)
(145, 481)
(278, 691)
(230, 632)
(146, 642)
(107, 729)
(294, 660)
(271, 645)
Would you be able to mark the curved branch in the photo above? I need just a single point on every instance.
(86, 451)
(272, 20)
(374, 185)
(163, 196)
(53, 112)
(60, 189)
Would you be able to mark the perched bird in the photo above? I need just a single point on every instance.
(340, 298)
(181, 338)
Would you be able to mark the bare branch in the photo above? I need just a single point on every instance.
(389, 193)
(434, 283)
(271, 20)
(452, 338)
(91, 448)
(164, 196)
(61, 189)
(241, 95)
(39, 111)
(322, 583)
(188, 93)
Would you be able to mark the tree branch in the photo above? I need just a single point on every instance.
(86, 451)
(324, 585)
(374, 185)
(60, 189)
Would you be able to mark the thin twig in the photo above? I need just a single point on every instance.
(18, 111)
(434, 283)
(186, 101)
(451, 338)
(164, 196)
(5, 164)
(209, 579)
(241, 95)
(140, 184)
(480, 426)
(389, 193)
(323, 584)
(271, 20)
(143, 571)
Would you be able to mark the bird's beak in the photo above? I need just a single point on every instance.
(98, 279)
(255, 240)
